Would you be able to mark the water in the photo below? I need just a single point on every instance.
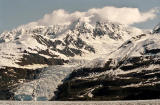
(136, 102)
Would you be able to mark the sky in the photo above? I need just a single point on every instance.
(18, 12)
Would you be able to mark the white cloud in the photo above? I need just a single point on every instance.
(123, 15)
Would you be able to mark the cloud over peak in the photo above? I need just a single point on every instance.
(125, 15)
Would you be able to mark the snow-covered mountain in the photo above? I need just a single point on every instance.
(130, 72)
(57, 44)
(89, 58)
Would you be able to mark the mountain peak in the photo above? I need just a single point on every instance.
(80, 24)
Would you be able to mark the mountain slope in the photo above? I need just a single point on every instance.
(131, 72)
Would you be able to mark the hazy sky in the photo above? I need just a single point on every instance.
(17, 12)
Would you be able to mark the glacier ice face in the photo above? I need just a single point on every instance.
(43, 88)
(47, 82)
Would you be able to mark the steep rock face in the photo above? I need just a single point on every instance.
(157, 29)
(131, 72)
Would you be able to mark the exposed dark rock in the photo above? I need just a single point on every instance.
(109, 88)
(131, 85)
(157, 29)
(10, 77)
(31, 58)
